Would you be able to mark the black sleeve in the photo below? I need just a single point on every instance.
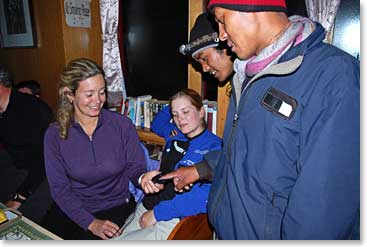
(204, 170)
(42, 117)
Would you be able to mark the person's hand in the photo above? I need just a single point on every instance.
(13, 204)
(16, 202)
(147, 185)
(147, 219)
(104, 229)
(183, 177)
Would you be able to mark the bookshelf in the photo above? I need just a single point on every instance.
(196, 7)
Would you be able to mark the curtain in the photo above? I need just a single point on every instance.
(109, 11)
(324, 12)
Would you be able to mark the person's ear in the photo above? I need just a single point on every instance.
(202, 112)
(69, 94)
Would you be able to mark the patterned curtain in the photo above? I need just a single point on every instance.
(324, 12)
(109, 10)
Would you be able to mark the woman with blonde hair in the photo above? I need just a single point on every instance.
(159, 213)
(91, 154)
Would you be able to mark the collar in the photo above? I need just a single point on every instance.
(197, 136)
(311, 42)
(292, 59)
(297, 31)
(101, 119)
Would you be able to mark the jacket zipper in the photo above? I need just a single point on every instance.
(230, 140)
(93, 151)
(90, 138)
(296, 63)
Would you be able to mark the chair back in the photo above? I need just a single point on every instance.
(195, 227)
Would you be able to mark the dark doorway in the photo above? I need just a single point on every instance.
(152, 34)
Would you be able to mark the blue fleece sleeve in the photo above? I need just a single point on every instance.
(185, 204)
(325, 200)
(161, 123)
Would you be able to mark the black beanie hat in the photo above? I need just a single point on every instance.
(203, 35)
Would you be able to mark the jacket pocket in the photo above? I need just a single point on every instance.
(274, 216)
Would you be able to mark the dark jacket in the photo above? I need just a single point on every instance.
(22, 127)
(296, 177)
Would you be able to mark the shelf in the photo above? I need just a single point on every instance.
(146, 135)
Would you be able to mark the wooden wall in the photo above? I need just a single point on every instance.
(83, 42)
(57, 44)
(196, 7)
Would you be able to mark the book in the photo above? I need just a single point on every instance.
(209, 121)
(131, 109)
(139, 115)
(215, 112)
(147, 113)
(205, 105)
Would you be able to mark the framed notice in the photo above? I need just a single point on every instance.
(77, 13)
(16, 27)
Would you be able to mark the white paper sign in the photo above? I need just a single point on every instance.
(77, 13)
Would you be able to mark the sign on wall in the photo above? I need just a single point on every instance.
(77, 13)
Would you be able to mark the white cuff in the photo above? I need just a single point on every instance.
(141, 176)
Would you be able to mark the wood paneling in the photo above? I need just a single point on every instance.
(196, 7)
(83, 42)
(223, 102)
(57, 44)
(45, 62)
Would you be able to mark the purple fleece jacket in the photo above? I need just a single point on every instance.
(87, 176)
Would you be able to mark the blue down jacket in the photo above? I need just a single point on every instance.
(195, 201)
(295, 177)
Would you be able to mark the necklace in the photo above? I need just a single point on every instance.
(279, 34)
(88, 130)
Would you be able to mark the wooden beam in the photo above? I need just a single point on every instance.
(196, 7)
(222, 105)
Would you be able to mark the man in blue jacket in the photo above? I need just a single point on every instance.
(289, 168)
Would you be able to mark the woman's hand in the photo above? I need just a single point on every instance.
(147, 219)
(147, 185)
(104, 229)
